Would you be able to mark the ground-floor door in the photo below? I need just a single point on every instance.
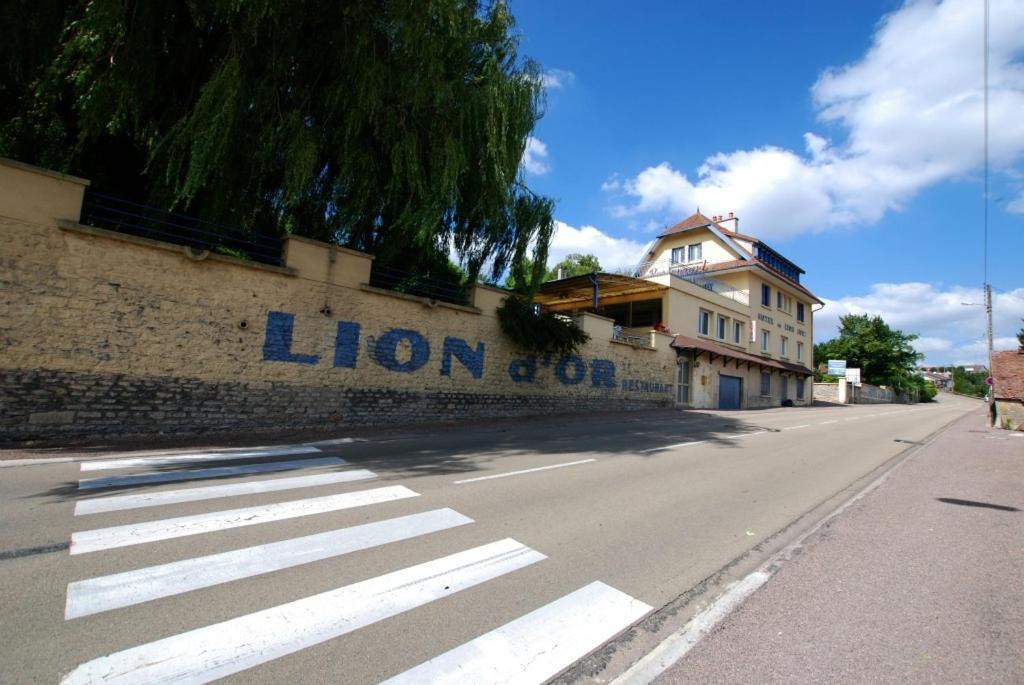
(784, 386)
(730, 389)
(683, 382)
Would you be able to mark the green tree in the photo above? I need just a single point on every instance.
(970, 383)
(574, 264)
(1020, 338)
(884, 355)
(392, 127)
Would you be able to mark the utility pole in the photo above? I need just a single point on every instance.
(988, 327)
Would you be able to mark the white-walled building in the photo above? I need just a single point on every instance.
(742, 320)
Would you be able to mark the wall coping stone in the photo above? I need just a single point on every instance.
(329, 246)
(183, 250)
(425, 301)
(4, 161)
(634, 346)
(492, 288)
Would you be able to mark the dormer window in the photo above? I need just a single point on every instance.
(687, 254)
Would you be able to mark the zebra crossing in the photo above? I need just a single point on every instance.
(529, 649)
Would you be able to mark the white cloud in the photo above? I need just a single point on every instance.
(1015, 206)
(535, 157)
(949, 331)
(911, 112)
(613, 253)
(552, 79)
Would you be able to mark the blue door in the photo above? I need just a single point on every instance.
(729, 390)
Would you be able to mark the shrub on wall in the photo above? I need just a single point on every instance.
(538, 332)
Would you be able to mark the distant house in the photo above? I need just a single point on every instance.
(1008, 388)
(941, 380)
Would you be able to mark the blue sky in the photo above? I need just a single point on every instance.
(846, 135)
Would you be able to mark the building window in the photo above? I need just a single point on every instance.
(800, 389)
(704, 322)
(799, 351)
(766, 384)
(737, 332)
(783, 302)
(783, 346)
(766, 295)
(695, 253)
(722, 327)
(678, 255)
(799, 311)
(765, 336)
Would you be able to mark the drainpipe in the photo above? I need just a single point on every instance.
(593, 282)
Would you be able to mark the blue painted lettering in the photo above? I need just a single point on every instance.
(346, 345)
(386, 350)
(523, 370)
(562, 370)
(602, 373)
(277, 343)
(472, 359)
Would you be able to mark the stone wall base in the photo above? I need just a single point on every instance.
(60, 405)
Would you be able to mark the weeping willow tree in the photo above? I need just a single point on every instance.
(391, 126)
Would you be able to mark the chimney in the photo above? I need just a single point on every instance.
(732, 223)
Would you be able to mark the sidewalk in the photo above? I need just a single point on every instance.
(921, 581)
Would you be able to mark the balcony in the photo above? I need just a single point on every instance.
(692, 273)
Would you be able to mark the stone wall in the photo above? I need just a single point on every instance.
(1010, 414)
(104, 334)
(829, 392)
(843, 392)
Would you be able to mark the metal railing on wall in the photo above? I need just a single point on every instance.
(132, 218)
(411, 283)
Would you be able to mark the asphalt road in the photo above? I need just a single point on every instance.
(618, 520)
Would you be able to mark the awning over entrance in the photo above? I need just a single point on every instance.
(684, 342)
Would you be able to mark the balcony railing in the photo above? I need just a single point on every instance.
(694, 273)
(638, 337)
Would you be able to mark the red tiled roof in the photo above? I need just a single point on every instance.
(685, 342)
(1008, 374)
(695, 220)
(698, 220)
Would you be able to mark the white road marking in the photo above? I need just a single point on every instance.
(96, 595)
(742, 435)
(673, 648)
(335, 441)
(672, 447)
(793, 428)
(153, 499)
(826, 422)
(182, 526)
(218, 650)
(203, 474)
(516, 473)
(536, 646)
(101, 465)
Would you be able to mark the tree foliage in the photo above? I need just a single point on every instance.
(539, 332)
(574, 264)
(970, 382)
(884, 355)
(392, 127)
